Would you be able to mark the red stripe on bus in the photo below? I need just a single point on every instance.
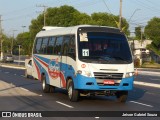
(45, 64)
(63, 80)
(39, 76)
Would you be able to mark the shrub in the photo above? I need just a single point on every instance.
(137, 62)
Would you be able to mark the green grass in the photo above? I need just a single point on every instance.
(150, 65)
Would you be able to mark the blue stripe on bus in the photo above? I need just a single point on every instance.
(42, 70)
(46, 60)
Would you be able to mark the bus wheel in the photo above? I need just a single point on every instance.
(26, 75)
(122, 96)
(72, 93)
(51, 89)
(45, 86)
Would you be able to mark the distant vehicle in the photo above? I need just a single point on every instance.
(8, 58)
(28, 66)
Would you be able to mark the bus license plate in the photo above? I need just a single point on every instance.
(109, 82)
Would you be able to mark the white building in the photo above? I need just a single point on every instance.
(139, 49)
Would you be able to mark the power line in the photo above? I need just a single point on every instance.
(110, 12)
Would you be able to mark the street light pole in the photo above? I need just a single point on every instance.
(23, 28)
(19, 46)
(120, 15)
(1, 38)
(12, 43)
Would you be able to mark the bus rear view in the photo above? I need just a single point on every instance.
(104, 63)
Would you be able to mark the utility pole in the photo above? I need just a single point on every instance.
(19, 46)
(12, 42)
(1, 38)
(44, 12)
(141, 35)
(120, 15)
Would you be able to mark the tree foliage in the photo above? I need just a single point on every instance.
(106, 19)
(152, 31)
(65, 16)
(24, 40)
(6, 43)
(138, 32)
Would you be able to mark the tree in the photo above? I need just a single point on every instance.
(24, 40)
(152, 31)
(63, 16)
(6, 44)
(106, 19)
(139, 33)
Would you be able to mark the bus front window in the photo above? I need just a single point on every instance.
(103, 48)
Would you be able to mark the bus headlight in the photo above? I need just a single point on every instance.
(85, 73)
(129, 74)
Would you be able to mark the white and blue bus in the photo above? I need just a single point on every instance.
(84, 59)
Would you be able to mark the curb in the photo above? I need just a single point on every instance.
(13, 66)
(147, 84)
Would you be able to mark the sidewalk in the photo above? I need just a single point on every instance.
(11, 65)
(148, 69)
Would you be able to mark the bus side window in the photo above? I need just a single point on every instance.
(58, 45)
(72, 50)
(65, 46)
(43, 49)
(50, 46)
(38, 45)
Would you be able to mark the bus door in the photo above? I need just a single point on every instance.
(68, 54)
(55, 63)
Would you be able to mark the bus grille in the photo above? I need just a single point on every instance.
(101, 76)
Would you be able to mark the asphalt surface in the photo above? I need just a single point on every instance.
(18, 93)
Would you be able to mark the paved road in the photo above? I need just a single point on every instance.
(18, 93)
(152, 76)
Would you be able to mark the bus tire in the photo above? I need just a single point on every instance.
(45, 86)
(26, 75)
(72, 93)
(51, 89)
(122, 96)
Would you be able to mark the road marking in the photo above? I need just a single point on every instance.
(97, 117)
(148, 73)
(147, 84)
(15, 74)
(154, 79)
(64, 104)
(24, 89)
(6, 72)
(141, 103)
(40, 95)
(23, 76)
(7, 66)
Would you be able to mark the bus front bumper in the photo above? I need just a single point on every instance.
(89, 83)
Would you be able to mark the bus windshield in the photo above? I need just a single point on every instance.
(103, 48)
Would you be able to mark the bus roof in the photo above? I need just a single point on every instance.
(68, 30)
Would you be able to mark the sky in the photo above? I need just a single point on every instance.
(18, 13)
